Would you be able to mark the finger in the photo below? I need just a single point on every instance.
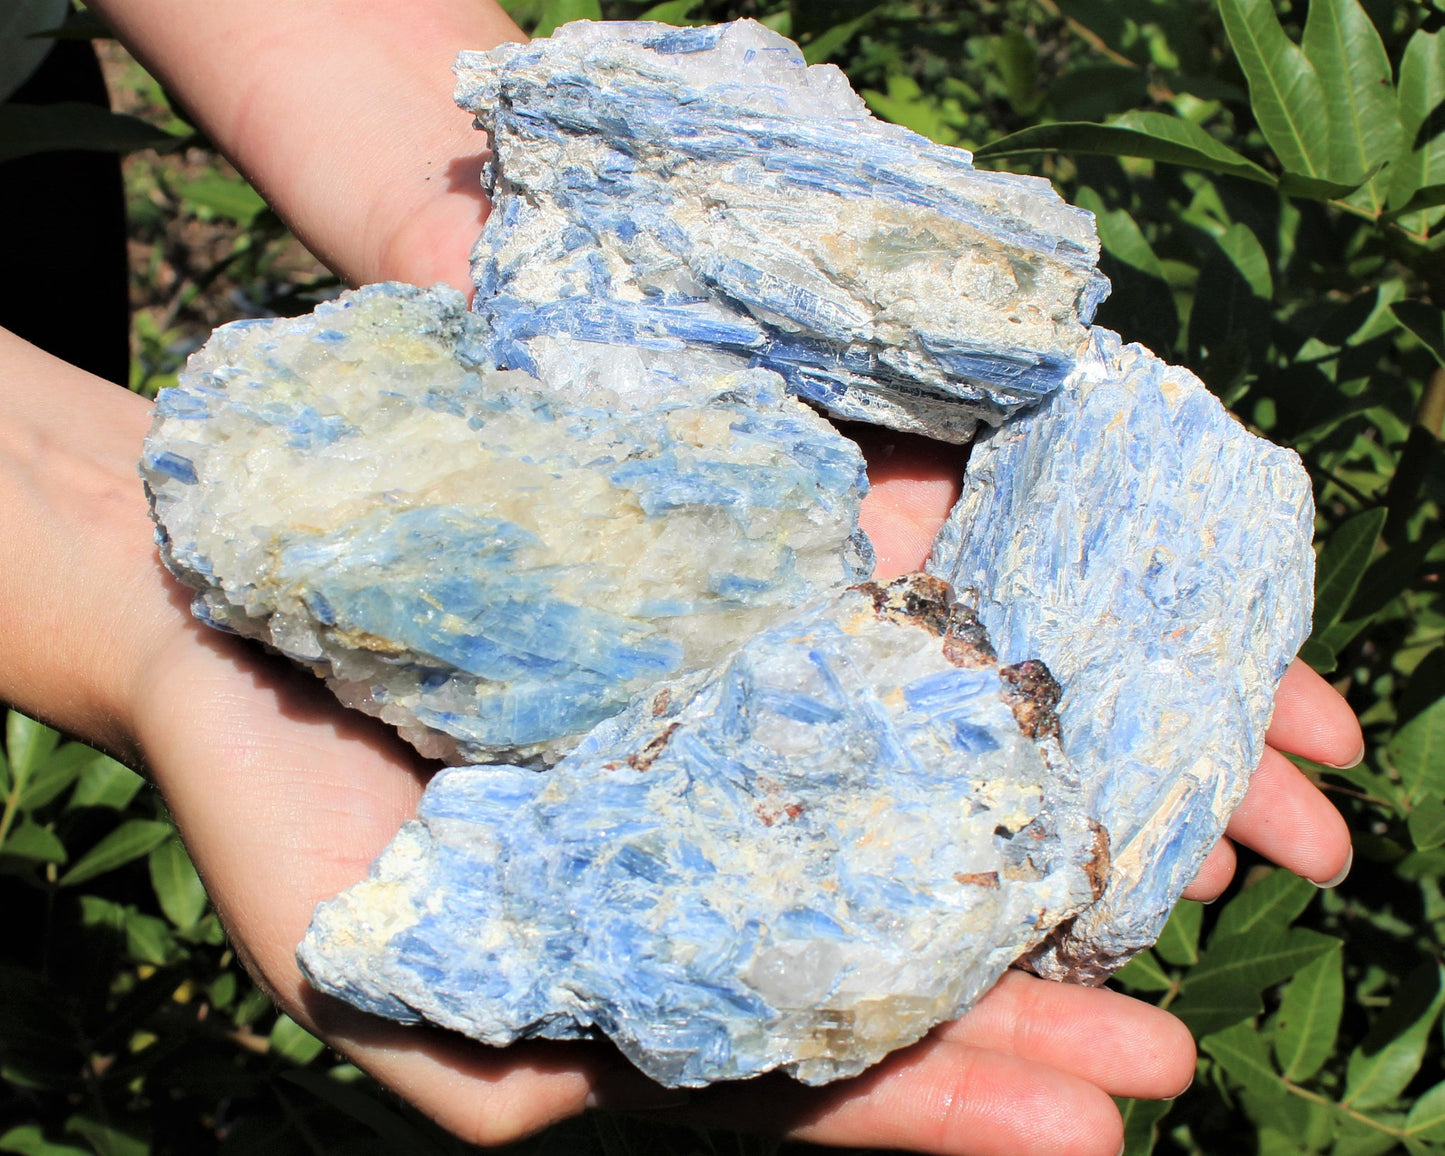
(913, 484)
(1286, 818)
(1311, 719)
(1119, 1044)
(936, 1097)
(1215, 875)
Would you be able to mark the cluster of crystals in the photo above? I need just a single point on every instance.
(806, 859)
(1162, 569)
(813, 833)
(705, 188)
(490, 564)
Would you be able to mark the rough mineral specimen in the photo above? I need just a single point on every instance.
(704, 188)
(491, 563)
(804, 860)
(1156, 555)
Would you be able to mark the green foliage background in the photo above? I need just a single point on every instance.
(1270, 188)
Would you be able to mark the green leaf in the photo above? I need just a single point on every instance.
(148, 939)
(672, 12)
(1141, 290)
(177, 886)
(392, 1129)
(29, 744)
(1179, 941)
(1151, 135)
(1309, 1017)
(558, 12)
(1141, 1124)
(107, 1141)
(1417, 753)
(1342, 564)
(35, 843)
(29, 1140)
(1427, 824)
(1143, 973)
(27, 129)
(58, 772)
(1242, 1053)
(295, 1043)
(837, 37)
(105, 783)
(1258, 960)
(131, 840)
(1425, 322)
(905, 103)
(1348, 57)
(1390, 1054)
(1208, 1007)
(1284, 89)
(1271, 904)
(228, 197)
(1421, 98)
(1426, 1120)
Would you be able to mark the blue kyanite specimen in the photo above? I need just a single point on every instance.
(804, 860)
(703, 188)
(491, 563)
(1156, 555)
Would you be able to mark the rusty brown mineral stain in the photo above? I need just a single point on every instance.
(643, 759)
(987, 879)
(1032, 697)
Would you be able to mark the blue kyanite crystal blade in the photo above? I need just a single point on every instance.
(804, 860)
(711, 191)
(491, 563)
(1133, 535)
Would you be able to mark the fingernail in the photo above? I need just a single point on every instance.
(634, 1092)
(1124, 1147)
(1329, 884)
(1171, 1099)
(1354, 762)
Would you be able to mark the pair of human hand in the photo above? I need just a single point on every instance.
(284, 798)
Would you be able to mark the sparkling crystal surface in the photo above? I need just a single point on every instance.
(806, 859)
(703, 188)
(1156, 555)
(491, 563)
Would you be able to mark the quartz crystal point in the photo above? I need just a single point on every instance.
(491, 563)
(703, 188)
(1156, 556)
(804, 860)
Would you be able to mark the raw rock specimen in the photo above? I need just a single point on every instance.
(1156, 555)
(806, 859)
(491, 563)
(704, 188)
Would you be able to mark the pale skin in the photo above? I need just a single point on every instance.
(284, 798)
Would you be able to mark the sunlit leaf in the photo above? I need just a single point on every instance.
(1417, 753)
(105, 783)
(177, 886)
(1390, 1055)
(131, 840)
(1143, 973)
(1284, 89)
(1349, 58)
(290, 1039)
(105, 1139)
(228, 197)
(672, 12)
(1427, 824)
(1179, 941)
(148, 939)
(558, 12)
(35, 843)
(1309, 1017)
(1421, 97)
(1242, 1053)
(1141, 1124)
(1208, 1007)
(1151, 135)
(1426, 1120)
(29, 1140)
(1270, 904)
(826, 43)
(28, 744)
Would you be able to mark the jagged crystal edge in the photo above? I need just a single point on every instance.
(491, 563)
(705, 188)
(804, 860)
(1136, 537)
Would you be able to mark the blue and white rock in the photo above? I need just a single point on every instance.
(805, 860)
(1156, 555)
(703, 188)
(491, 563)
